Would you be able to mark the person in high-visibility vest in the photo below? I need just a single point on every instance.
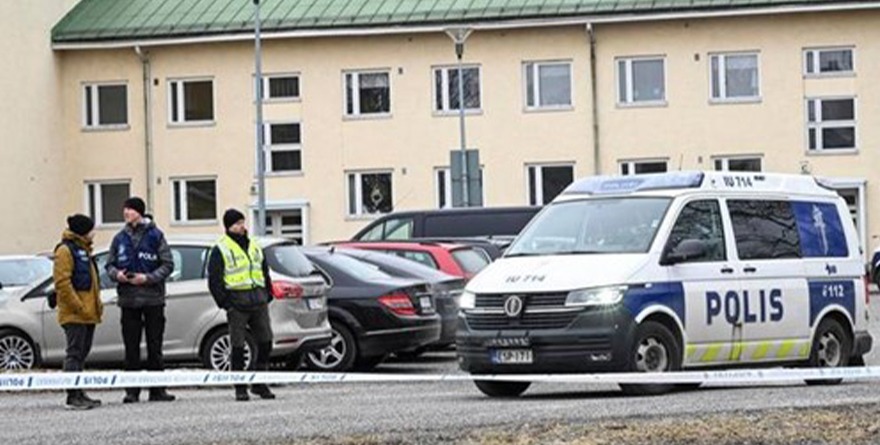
(238, 277)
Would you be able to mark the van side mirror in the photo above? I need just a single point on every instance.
(686, 250)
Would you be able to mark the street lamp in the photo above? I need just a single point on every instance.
(260, 225)
(459, 35)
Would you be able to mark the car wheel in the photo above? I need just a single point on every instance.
(217, 352)
(17, 351)
(502, 389)
(831, 347)
(654, 350)
(337, 357)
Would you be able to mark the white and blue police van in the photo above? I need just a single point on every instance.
(658, 273)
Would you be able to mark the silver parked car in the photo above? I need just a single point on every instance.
(195, 328)
(18, 271)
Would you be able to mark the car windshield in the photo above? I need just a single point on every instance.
(288, 260)
(22, 272)
(609, 225)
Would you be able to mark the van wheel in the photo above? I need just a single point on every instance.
(654, 350)
(502, 389)
(339, 356)
(831, 348)
(217, 352)
(17, 351)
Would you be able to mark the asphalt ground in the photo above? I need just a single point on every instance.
(395, 413)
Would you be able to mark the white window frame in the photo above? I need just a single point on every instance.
(447, 190)
(722, 78)
(285, 206)
(817, 64)
(536, 91)
(819, 125)
(98, 217)
(96, 109)
(628, 102)
(631, 164)
(356, 91)
(184, 211)
(269, 147)
(177, 83)
(359, 206)
(725, 161)
(265, 87)
(539, 179)
(446, 71)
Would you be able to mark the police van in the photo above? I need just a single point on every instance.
(657, 273)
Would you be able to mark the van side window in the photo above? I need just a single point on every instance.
(701, 220)
(398, 228)
(375, 233)
(764, 229)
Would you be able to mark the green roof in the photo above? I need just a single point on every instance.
(109, 20)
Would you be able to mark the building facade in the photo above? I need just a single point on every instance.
(362, 122)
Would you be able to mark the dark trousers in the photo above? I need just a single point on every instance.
(257, 321)
(135, 321)
(79, 343)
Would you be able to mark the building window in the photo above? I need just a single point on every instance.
(195, 199)
(279, 87)
(641, 80)
(443, 181)
(829, 61)
(831, 124)
(104, 201)
(545, 182)
(641, 167)
(548, 84)
(283, 147)
(734, 76)
(369, 193)
(367, 93)
(191, 101)
(105, 105)
(446, 88)
(739, 164)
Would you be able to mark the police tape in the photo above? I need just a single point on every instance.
(191, 378)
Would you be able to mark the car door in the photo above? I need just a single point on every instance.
(774, 303)
(189, 306)
(107, 346)
(52, 348)
(707, 281)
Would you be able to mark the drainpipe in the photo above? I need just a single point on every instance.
(148, 123)
(591, 35)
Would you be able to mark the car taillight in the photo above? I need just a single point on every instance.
(285, 289)
(399, 303)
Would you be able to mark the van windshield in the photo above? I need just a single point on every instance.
(612, 225)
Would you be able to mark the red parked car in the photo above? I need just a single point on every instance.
(454, 259)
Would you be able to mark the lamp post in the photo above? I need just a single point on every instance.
(260, 225)
(459, 35)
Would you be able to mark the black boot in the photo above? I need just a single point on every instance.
(161, 395)
(262, 364)
(131, 395)
(237, 362)
(95, 402)
(76, 401)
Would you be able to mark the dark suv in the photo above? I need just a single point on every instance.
(470, 222)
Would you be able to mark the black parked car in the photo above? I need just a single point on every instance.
(445, 288)
(372, 314)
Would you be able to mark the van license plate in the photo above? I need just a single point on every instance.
(511, 356)
(315, 304)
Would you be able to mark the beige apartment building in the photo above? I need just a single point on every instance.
(361, 120)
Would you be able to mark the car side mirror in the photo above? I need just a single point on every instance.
(686, 250)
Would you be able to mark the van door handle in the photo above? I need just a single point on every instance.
(750, 269)
(726, 270)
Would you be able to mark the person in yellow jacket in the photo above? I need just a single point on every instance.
(78, 297)
(238, 278)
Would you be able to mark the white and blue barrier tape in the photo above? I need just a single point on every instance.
(186, 378)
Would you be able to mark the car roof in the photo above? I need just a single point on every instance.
(424, 246)
(461, 210)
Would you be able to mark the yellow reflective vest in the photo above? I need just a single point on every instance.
(242, 270)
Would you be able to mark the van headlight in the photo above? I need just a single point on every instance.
(468, 300)
(597, 296)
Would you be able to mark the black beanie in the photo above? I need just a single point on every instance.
(231, 217)
(136, 204)
(80, 224)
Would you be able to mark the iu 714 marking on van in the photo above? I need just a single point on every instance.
(659, 273)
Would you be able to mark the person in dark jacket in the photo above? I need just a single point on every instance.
(79, 301)
(238, 278)
(139, 262)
